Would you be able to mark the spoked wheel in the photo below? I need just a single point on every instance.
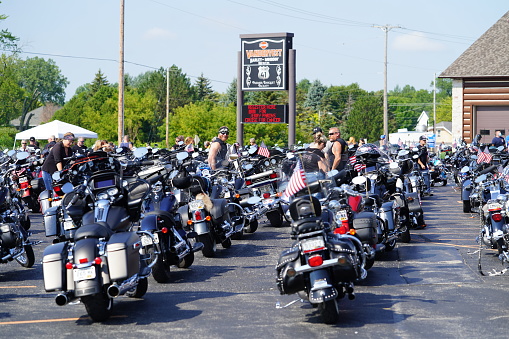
(275, 217)
(329, 311)
(27, 259)
(140, 290)
(209, 245)
(98, 306)
(251, 227)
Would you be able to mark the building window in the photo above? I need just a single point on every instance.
(484, 132)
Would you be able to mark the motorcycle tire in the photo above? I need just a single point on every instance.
(390, 246)
(26, 224)
(405, 236)
(369, 263)
(32, 204)
(98, 306)
(161, 271)
(251, 227)
(209, 245)
(467, 208)
(444, 182)
(187, 261)
(329, 311)
(238, 235)
(27, 259)
(140, 289)
(275, 218)
(227, 243)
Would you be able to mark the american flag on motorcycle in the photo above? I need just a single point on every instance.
(263, 150)
(297, 181)
(484, 156)
(356, 166)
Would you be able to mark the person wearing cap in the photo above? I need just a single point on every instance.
(423, 161)
(218, 148)
(33, 144)
(56, 158)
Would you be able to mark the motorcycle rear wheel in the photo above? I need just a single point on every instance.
(467, 208)
(444, 182)
(98, 306)
(405, 236)
(27, 259)
(209, 245)
(161, 271)
(140, 290)
(251, 227)
(369, 263)
(329, 311)
(275, 218)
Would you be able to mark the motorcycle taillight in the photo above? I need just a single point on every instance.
(496, 217)
(266, 195)
(315, 260)
(23, 185)
(197, 215)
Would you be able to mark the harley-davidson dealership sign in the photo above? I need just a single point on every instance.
(264, 64)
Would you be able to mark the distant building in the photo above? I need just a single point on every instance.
(480, 93)
(39, 115)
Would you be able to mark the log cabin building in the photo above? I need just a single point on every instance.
(480, 93)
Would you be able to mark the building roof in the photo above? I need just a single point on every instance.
(40, 115)
(488, 56)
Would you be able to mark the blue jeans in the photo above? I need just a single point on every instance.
(427, 179)
(48, 181)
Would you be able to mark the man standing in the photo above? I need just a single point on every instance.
(49, 145)
(498, 140)
(423, 161)
(80, 147)
(55, 160)
(218, 148)
(338, 151)
(33, 144)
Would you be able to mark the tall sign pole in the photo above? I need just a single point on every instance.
(386, 29)
(121, 77)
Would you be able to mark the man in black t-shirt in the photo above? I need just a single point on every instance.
(218, 148)
(80, 147)
(423, 161)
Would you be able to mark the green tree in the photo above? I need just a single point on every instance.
(366, 118)
(230, 96)
(10, 91)
(315, 94)
(99, 81)
(203, 89)
(444, 110)
(7, 40)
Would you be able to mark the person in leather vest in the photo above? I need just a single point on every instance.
(338, 152)
(218, 148)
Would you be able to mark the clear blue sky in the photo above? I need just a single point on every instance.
(334, 39)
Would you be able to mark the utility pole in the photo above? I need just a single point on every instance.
(167, 106)
(434, 102)
(386, 29)
(120, 129)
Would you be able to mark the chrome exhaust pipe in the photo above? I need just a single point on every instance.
(113, 291)
(63, 299)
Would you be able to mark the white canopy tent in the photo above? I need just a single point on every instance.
(56, 128)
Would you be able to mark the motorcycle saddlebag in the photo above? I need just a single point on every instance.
(50, 221)
(7, 235)
(123, 255)
(365, 225)
(53, 266)
(289, 283)
(413, 203)
(343, 248)
(37, 185)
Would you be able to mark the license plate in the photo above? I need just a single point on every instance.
(312, 245)
(23, 179)
(266, 189)
(342, 215)
(69, 225)
(147, 241)
(494, 207)
(84, 273)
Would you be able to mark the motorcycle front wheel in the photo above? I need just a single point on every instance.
(275, 217)
(329, 311)
(209, 245)
(467, 208)
(27, 259)
(98, 306)
(251, 227)
(161, 271)
(140, 289)
(405, 235)
(187, 261)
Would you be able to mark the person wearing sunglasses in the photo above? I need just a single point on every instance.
(337, 153)
(24, 146)
(56, 158)
(218, 148)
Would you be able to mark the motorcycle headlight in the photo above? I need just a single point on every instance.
(266, 163)
(273, 161)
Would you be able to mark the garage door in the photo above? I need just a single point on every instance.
(490, 119)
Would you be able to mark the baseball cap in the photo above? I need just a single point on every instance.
(32, 139)
(382, 136)
(423, 137)
(316, 130)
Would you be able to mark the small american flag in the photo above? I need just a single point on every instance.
(263, 150)
(484, 156)
(190, 148)
(352, 160)
(297, 181)
(359, 167)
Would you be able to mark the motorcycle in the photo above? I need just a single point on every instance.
(106, 258)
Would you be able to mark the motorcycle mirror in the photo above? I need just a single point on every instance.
(195, 154)
(11, 152)
(332, 173)
(234, 156)
(480, 178)
(182, 155)
(139, 152)
(56, 176)
(290, 155)
(67, 188)
(465, 169)
(359, 180)
(22, 155)
(500, 148)
(254, 200)
(415, 149)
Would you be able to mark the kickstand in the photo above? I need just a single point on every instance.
(278, 303)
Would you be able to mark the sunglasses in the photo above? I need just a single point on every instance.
(333, 133)
(23, 143)
(225, 133)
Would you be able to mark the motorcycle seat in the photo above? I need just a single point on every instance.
(306, 225)
(96, 230)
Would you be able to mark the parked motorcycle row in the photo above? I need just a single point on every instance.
(482, 177)
(114, 219)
